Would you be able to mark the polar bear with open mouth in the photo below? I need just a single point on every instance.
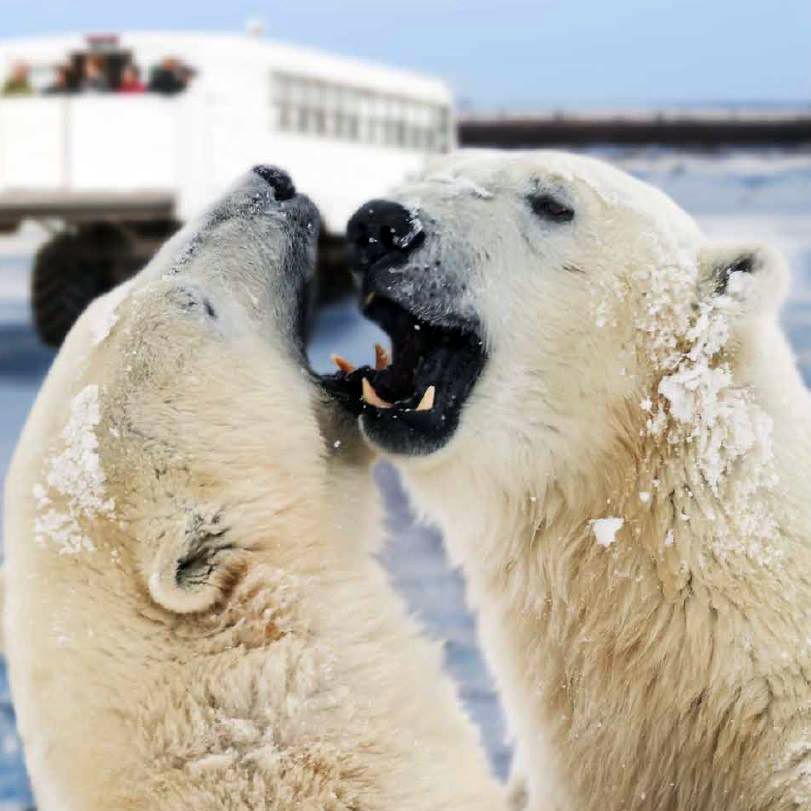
(616, 443)
(194, 618)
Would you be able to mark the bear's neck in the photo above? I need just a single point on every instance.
(586, 621)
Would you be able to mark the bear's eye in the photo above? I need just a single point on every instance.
(192, 301)
(550, 208)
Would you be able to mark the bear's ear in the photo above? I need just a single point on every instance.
(194, 567)
(752, 276)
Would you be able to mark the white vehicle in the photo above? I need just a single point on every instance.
(118, 172)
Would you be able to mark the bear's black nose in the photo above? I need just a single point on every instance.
(381, 228)
(278, 180)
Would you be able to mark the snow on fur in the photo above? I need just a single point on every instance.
(702, 407)
(463, 185)
(76, 478)
(605, 529)
(103, 314)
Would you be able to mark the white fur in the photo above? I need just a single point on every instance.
(669, 666)
(284, 673)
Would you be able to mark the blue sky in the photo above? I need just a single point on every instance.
(510, 54)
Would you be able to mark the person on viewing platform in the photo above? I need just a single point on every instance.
(169, 78)
(18, 83)
(187, 73)
(61, 82)
(94, 79)
(131, 80)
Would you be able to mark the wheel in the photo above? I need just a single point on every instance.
(334, 278)
(70, 271)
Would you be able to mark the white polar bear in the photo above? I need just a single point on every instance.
(194, 619)
(617, 448)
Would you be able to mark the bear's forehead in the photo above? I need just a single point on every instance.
(496, 170)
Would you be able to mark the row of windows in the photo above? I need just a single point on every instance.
(331, 110)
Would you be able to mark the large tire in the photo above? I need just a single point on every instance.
(334, 278)
(69, 272)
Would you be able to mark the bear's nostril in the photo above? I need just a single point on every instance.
(382, 229)
(278, 180)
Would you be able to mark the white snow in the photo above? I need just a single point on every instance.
(605, 529)
(601, 314)
(414, 231)
(463, 185)
(103, 315)
(700, 407)
(74, 478)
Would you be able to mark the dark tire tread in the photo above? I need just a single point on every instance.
(69, 272)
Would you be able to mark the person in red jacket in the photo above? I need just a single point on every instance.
(131, 80)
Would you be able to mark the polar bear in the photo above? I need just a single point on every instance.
(598, 407)
(194, 618)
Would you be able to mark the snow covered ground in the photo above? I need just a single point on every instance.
(741, 194)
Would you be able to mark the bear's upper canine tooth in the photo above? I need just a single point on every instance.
(381, 358)
(372, 397)
(370, 297)
(342, 363)
(427, 402)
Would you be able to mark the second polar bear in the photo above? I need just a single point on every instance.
(194, 617)
(598, 406)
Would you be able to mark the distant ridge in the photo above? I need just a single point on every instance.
(705, 127)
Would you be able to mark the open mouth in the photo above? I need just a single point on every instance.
(411, 401)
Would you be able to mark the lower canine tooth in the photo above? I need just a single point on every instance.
(372, 397)
(427, 402)
(381, 358)
(342, 363)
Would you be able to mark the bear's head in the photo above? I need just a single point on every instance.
(544, 300)
(180, 435)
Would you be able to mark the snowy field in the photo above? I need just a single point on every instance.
(737, 195)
